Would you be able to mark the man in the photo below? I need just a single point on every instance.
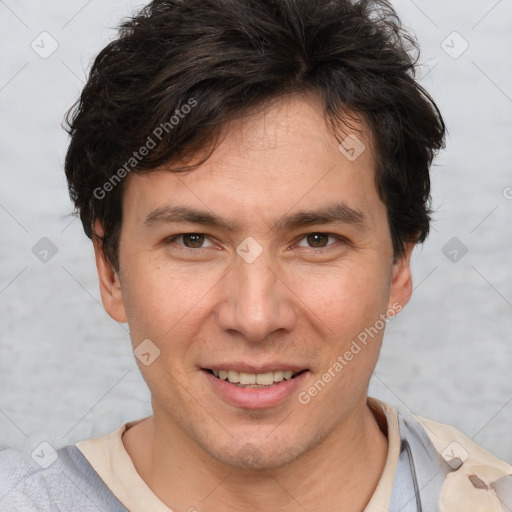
(254, 176)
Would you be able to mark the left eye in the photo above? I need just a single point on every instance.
(317, 240)
(192, 240)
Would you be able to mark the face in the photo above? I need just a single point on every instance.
(268, 263)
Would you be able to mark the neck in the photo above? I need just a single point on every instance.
(344, 469)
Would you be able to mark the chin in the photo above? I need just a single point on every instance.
(261, 453)
(251, 458)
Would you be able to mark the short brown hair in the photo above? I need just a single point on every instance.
(224, 57)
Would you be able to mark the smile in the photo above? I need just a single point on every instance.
(254, 380)
(250, 386)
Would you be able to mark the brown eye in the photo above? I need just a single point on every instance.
(317, 239)
(193, 240)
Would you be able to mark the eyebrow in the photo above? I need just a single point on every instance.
(339, 213)
(182, 214)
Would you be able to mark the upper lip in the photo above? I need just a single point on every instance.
(251, 368)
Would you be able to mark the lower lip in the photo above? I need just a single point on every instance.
(255, 398)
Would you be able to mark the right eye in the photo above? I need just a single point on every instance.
(190, 240)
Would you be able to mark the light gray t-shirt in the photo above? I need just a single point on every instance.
(70, 483)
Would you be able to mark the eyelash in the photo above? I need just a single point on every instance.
(174, 237)
(339, 238)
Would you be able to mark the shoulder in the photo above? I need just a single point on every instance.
(51, 480)
(458, 449)
(24, 485)
(473, 479)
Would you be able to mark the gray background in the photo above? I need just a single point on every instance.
(66, 369)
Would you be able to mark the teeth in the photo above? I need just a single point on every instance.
(265, 378)
(278, 376)
(247, 378)
(233, 376)
(250, 379)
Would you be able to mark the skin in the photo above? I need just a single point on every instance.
(302, 301)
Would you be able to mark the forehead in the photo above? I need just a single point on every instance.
(268, 163)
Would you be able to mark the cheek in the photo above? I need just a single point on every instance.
(163, 307)
(345, 300)
(348, 312)
(158, 301)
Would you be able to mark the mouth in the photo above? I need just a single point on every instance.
(254, 380)
(248, 387)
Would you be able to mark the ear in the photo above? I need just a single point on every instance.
(401, 286)
(110, 285)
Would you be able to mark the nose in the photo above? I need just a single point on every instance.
(256, 300)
